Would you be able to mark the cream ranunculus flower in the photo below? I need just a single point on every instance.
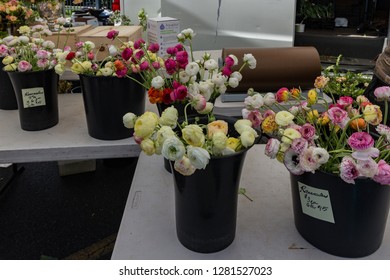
(289, 135)
(217, 126)
(192, 68)
(242, 124)
(219, 140)
(77, 68)
(8, 60)
(193, 135)
(86, 65)
(24, 29)
(162, 134)
(59, 69)
(158, 82)
(107, 72)
(169, 117)
(129, 120)
(247, 138)
(145, 125)
(372, 114)
(147, 146)
(284, 118)
(184, 166)
(173, 149)
(209, 107)
(198, 157)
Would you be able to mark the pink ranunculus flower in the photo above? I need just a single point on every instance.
(384, 130)
(139, 43)
(299, 145)
(382, 93)
(367, 168)
(43, 63)
(43, 54)
(268, 113)
(199, 102)
(345, 101)
(256, 118)
(362, 145)
(179, 93)
(383, 176)
(226, 71)
(338, 116)
(272, 148)
(348, 170)
(308, 161)
(308, 131)
(24, 66)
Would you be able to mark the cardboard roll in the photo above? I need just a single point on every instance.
(277, 67)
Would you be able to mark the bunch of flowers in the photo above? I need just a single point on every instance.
(15, 12)
(345, 83)
(189, 145)
(346, 138)
(176, 78)
(30, 51)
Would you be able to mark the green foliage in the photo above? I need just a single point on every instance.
(309, 10)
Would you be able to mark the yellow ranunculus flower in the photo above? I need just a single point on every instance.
(193, 135)
(312, 116)
(312, 97)
(24, 29)
(147, 146)
(269, 124)
(11, 67)
(323, 120)
(144, 126)
(372, 114)
(8, 60)
(232, 143)
(87, 65)
(77, 68)
(217, 126)
(290, 134)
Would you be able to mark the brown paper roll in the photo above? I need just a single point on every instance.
(277, 67)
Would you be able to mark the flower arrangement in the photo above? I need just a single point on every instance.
(30, 52)
(176, 78)
(346, 138)
(15, 12)
(189, 145)
(344, 83)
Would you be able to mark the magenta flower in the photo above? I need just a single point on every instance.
(153, 47)
(139, 43)
(127, 53)
(112, 34)
(383, 176)
(348, 170)
(170, 65)
(268, 113)
(338, 116)
(24, 66)
(179, 93)
(229, 62)
(345, 101)
(3, 50)
(179, 47)
(172, 51)
(182, 58)
(139, 54)
(362, 143)
(121, 73)
(91, 56)
(308, 131)
(144, 65)
(227, 71)
(382, 93)
(156, 65)
(272, 148)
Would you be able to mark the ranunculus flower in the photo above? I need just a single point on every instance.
(367, 168)
(269, 125)
(251, 60)
(241, 125)
(173, 149)
(320, 82)
(348, 170)
(284, 118)
(362, 145)
(158, 82)
(144, 126)
(129, 120)
(106, 71)
(219, 140)
(254, 102)
(233, 82)
(198, 157)
(289, 134)
(184, 166)
(112, 34)
(162, 134)
(312, 97)
(345, 101)
(321, 155)
(255, 117)
(24, 66)
(193, 135)
(291, 161)
(269, 99)
(211, 64)
(147, 146)
(282, 95)
(233, 143)
(299, 145)
(247, 137)
(307, 161)
(216, 126)
(383, 176)
(169, 117)
(338, 116)
(384, 130)
(192, 68)
(59, 69)
(295, 92)
(198, 102)
(308, 131)
(372, 114)
(382, 93)
(272, 148)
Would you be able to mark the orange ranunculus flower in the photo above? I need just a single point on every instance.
(282, 95)
(155, 95)
(215, 126)
(323, 119)
(295, 92)
(269, 124)
(119, 65)
(358, 124)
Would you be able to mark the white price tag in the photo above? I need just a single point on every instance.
(33, 97)
(316, 202)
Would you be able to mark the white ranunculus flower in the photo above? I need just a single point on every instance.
(211, 64)
(255, 101)
(222, 89)
(169, 117)
(198, 157)
(184, 77)
(219, 79)
(90, 44)
(247, 138)
(113, 50)
(242, 124)
(173, 149)
(184, 166)
(59, 69)
(284, 118)
(49, 44)
(209, 107)
(251, 60)
(24, 39)
(235, 59)
(192, 68)
(162, 134)
(236, 75)
(158, 82)
(106, 71)
(269, 99)
(188, 33)
(233, 82)
(129, 120)
(193, 89)
(206, 89)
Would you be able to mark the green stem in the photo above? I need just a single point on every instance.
(386, 112)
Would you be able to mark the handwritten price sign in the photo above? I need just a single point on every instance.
(33, 97)
(316, 202)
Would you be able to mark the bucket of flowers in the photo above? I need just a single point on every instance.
(338, 161)
(33, 65)
(206, 154)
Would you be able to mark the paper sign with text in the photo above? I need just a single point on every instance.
(33, 97)
(316, 202)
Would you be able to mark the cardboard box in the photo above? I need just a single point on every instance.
(68, 38)
(163, 31)
(98, 35)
